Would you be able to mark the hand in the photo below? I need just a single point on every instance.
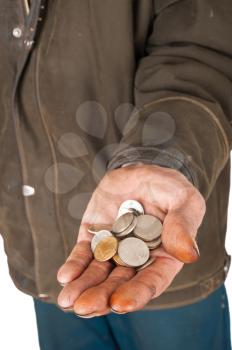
(95, 288)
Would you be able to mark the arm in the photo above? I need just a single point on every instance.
(185, 79)
(183, 86)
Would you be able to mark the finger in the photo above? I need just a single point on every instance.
(76, 263)
(181, 208)
(178, 237)
(180, 226)
(96, 299)
(147, 284)
(95, 273)
(81, 254)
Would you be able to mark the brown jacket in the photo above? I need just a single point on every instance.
(80, 82)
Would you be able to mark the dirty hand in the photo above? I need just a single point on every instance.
(95, 288)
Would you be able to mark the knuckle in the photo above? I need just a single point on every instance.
(148, 286)
(185, 192)
(82, 263)
(198, 200)
(161, 278)
(79, 256)
(101, 266)
(201, 201)
(116, 279)
(182, 194)
(122, 275)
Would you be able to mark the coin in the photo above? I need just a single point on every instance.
(149, 262)
(130, 205)
(106, 249)
(154, 244)
(99, 227)
(125, 211)
(129, 229)
(148, 227)
(122, 223)
(98, 237)
(133, 251)
(118, 260)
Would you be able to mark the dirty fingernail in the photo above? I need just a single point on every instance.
(195, 247)
(62, 284)
(88, 316)
(117, 312)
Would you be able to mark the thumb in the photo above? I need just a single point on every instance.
(178, 237)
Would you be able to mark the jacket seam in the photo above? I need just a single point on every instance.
(52, 150)
(199, 282)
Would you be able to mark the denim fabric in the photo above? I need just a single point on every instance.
(204, 325)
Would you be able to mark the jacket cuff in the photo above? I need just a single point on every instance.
(168, 158)
(179, 132)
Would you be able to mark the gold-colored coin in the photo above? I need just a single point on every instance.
(118, 260)
(106, 249)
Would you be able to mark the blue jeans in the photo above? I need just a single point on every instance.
(204, 325)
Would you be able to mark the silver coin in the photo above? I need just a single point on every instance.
(95, 228)
(98, 237)
(133, 251)
(130, 205)
(154, 244)
(148, 228)
(124, 211)
(122, 223)
(149, 262)
(129, 229)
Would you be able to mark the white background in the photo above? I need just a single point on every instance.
(17, 319)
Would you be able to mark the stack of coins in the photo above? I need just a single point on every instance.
(129, 240)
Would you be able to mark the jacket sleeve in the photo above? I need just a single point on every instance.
(183, 93)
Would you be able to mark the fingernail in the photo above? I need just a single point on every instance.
(61, 280)
(117, 312)
(67, 309)
(195, 247)
(62, 284)
(64, 302)
(87, 316)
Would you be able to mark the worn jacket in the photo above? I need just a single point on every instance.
(88, 86)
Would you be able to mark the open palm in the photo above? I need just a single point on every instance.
(95, 288)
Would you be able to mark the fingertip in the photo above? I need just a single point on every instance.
(64, 302)
(81, 308)
(178, 242)
(86, 303)
(122, 304)
(192, 256)
(71, 270)
(62, 277)
(186, 253)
